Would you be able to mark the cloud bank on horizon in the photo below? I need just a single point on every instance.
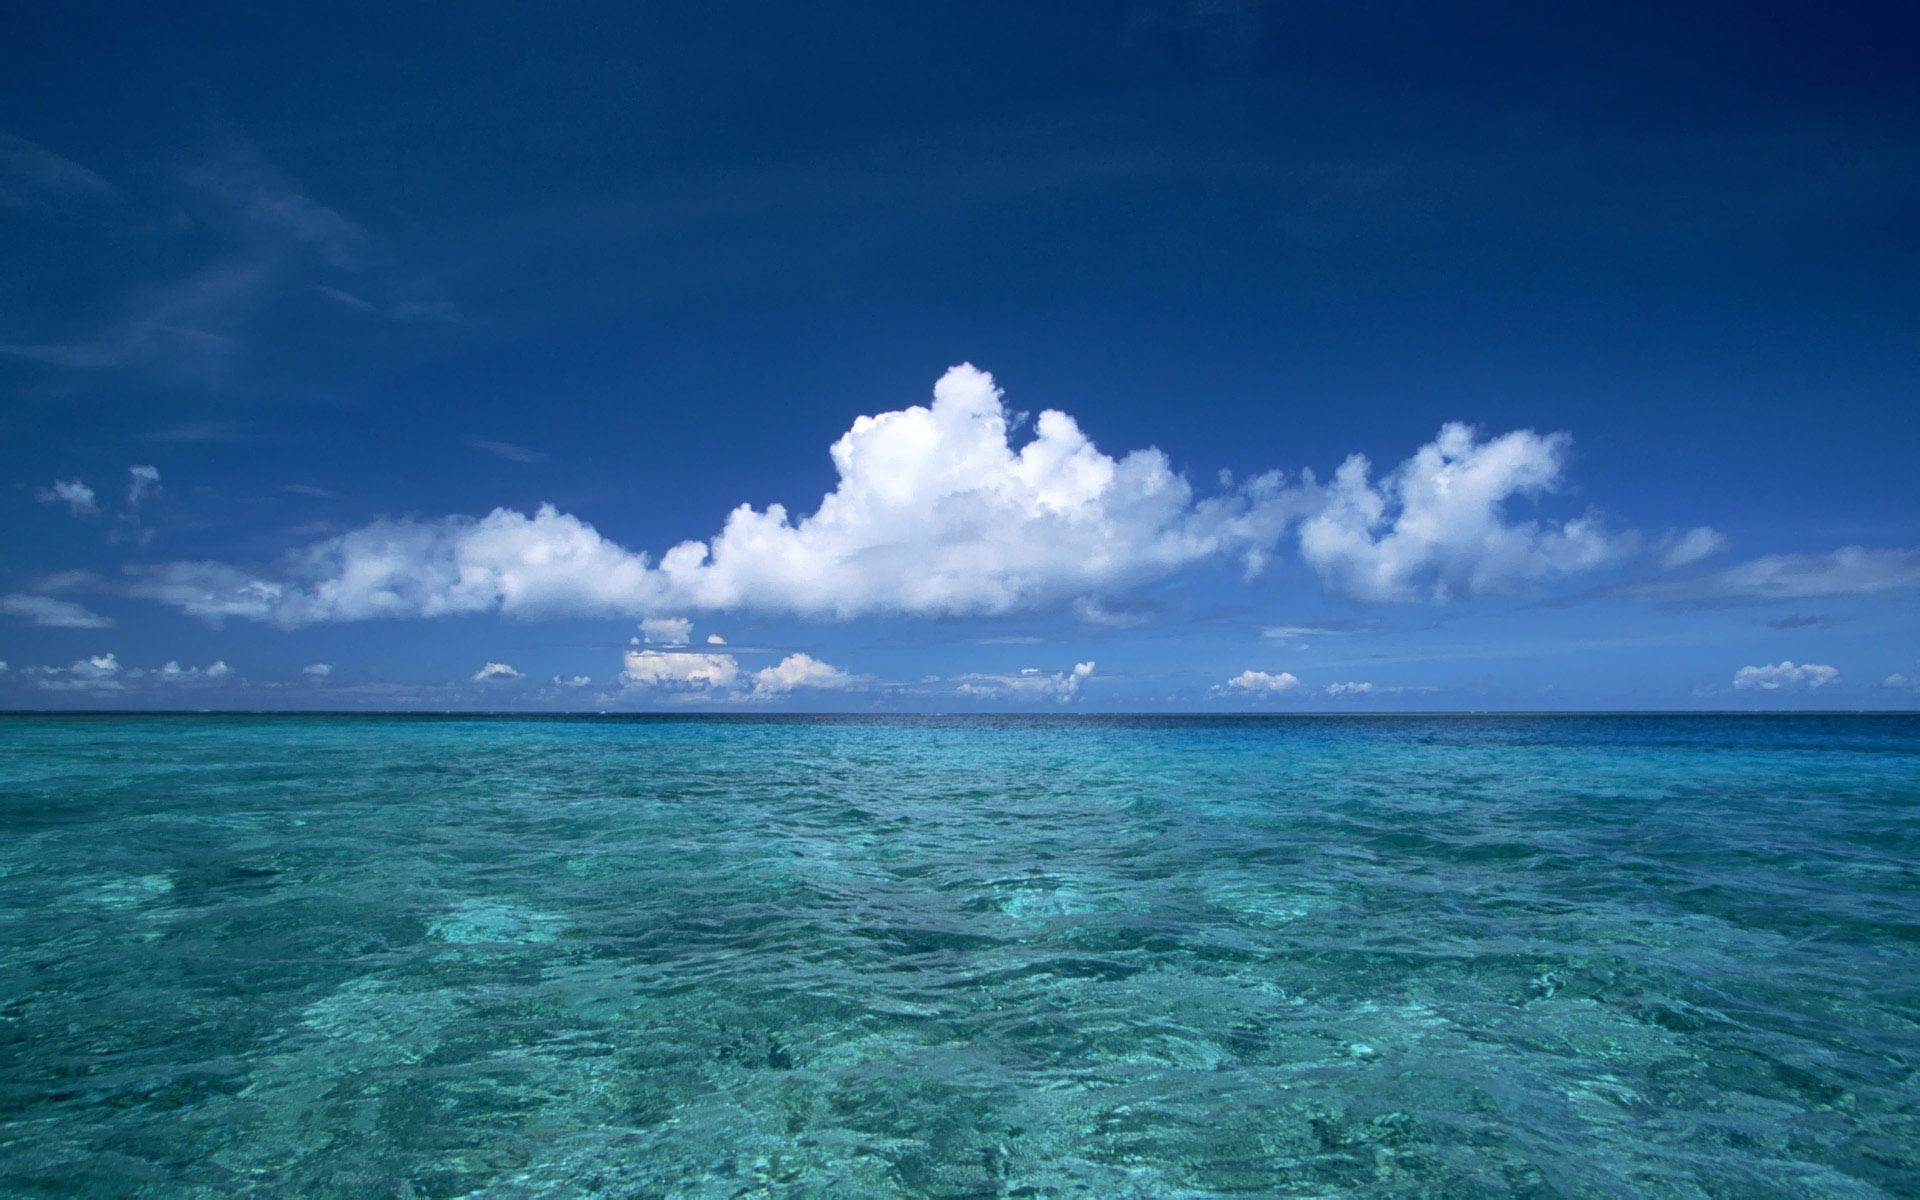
(937, 513)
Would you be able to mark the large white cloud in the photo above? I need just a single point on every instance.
(680, 668)
(1436, 526)
(936, 513)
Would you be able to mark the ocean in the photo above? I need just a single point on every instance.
(1469, 956)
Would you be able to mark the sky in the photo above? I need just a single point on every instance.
(1215, 356)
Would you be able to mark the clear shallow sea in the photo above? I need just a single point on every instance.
(966, 957)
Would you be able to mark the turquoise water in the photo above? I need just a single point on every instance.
(968, 957)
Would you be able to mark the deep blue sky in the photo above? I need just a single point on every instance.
(323, 270)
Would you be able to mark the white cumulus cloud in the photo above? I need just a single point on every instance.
(666, 631)
(1436, 526)
(77, 496)
(58, 614)
(1349, 689)
(798, 671)
(680, 668)
(936, 513)
(317, 671)
(494, 670)
(1785, 675)
(1263, 683)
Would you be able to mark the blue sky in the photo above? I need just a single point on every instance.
(1204, 357)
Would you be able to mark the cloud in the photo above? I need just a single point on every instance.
(98, 673)
(56, 614)
(1323, 629)
(317, 671)
(173, 672)
(77, 496)
(1684, 549)
(679, 669)
(402, 310)
(798, 671)
(714, 639)
(576, 681)
(666, 631)
(35, 178)
(936, 514)
(1785, 675)
(1797, 621)
(1848, 571)
(507, 450)
(1029, 684)
(252, 228)
(1435, 526)
(494, 670)
(142, 484)
(1261, 683)
(1349, 689)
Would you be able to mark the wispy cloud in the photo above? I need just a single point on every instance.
(1848, 571)
(34, 177)
(398, 310)
(56, 614)
(507, 450)
(77, 496)
(266, 234)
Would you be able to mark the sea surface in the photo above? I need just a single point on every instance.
(349, 956)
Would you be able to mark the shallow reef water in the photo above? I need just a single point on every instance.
(341, 956)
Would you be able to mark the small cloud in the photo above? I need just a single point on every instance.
(798, 671)
(1684, 549)
(77, 496)
(714, 639)
(1029, 684)
(173, 672)
(1797, 621)
(308, 490)
(666, 631)
(577, 681)
(1785, 675)
(494, 670)
(100, 672)
(1349, 689)
(56, 614)
(1287, 633)
(404, 310)
(203, 431)
(142, 484)
(507, 450)
(1262, 683)
(1094, 613)
(317, 671)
